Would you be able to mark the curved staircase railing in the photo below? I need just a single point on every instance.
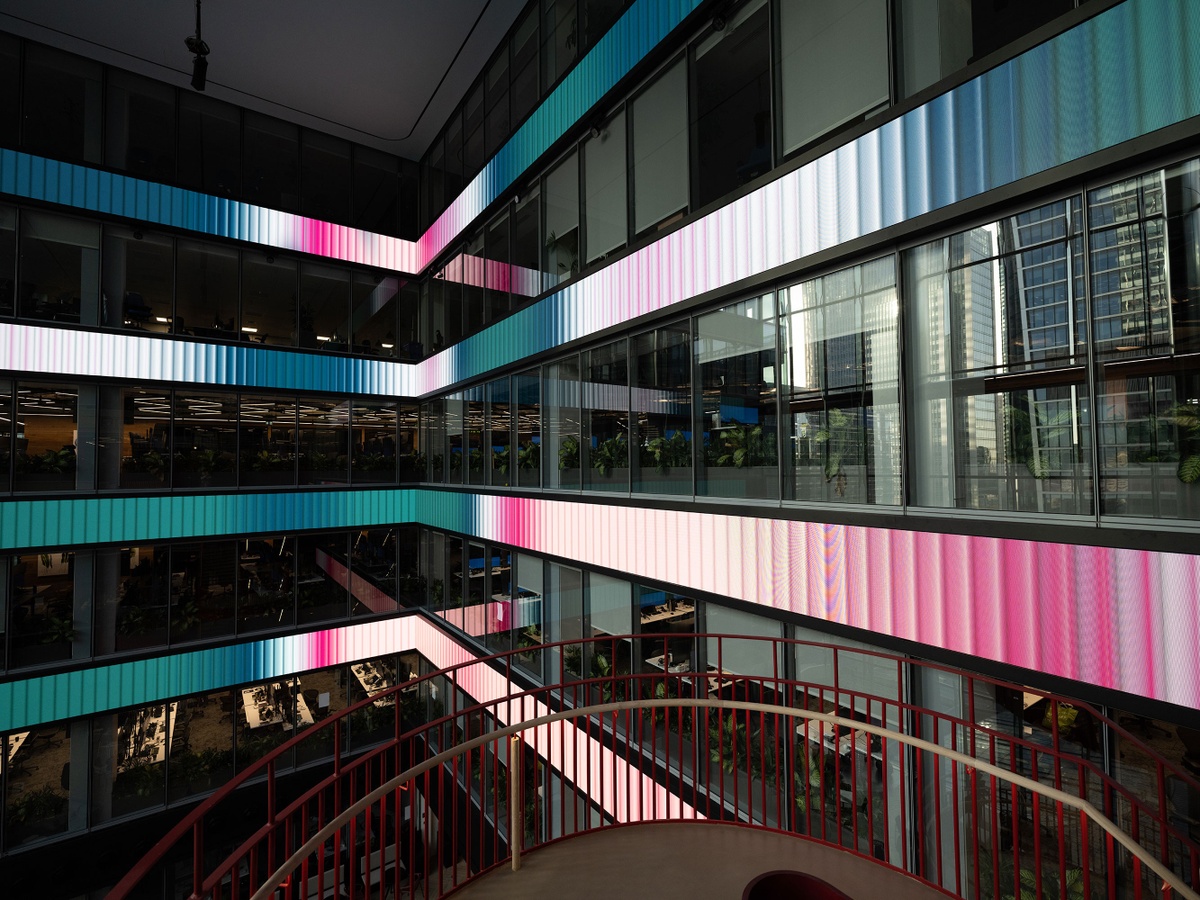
(696, 750)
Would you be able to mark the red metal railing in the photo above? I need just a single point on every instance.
(959, 803)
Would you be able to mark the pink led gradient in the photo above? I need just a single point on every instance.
(627, 795)
(1117, 618)
(292, 232)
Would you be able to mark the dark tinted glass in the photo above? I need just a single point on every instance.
(375, 191)
(268, 299)
(210, 145)
(62, 104)
(10, 89)
(140, 128)
(272, 168)
(325, 177)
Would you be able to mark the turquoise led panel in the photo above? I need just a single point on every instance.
(1123, 619)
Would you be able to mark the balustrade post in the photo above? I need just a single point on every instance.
(516, 824)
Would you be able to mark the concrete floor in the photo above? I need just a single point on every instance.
(674, 859)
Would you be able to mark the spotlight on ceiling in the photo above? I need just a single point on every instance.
(196, 45)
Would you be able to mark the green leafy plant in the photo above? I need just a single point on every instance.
(266, 461)
(611, 454)
(185, 616)
(529, 456)
(59, 630)
(568, 453)
(56, 462)
(739, 446)
(155, 464)
(668, 453)
(35, 806)
(1186, 417)
(500, 460)
(840, 439)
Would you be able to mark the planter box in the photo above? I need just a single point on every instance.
(751, 482)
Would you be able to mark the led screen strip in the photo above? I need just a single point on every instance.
(1122, 619)
(25, 704)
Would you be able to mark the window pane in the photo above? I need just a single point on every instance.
(210, 145)
(60, 268)
(823, 36)
(268, 440)
(376, 191)
(605, 398)
(477, 453)
(468, 269)
(204, 759)
(10, 90)
(140, 130)
(561, 259)
(324, 441)
(934, 38)
(598, 16)
(562, 424)
(604, 186)
(841, 364)
(322, 577)
(6, 448)
(373, 459)
(8, 259)
(373, 572)
(1143, 274)
(42, 604)
(671, 617)
(409, 447)
(206, 293)
(560, 39)
(499, 440)
(474, 148)
(129, 753)
(732, 119)
(203, 580)
(47, 426)
(272, 162)
(324, 308)
(525, 88)
(662, 407)
(454, 160)
(36, 798)
(63, 100)
(527, 277)
(497, 277)
(135, 446)
(133, 590)
(660, 149)
(269, 299)
(527, 613)
(325, 177)
(266, 584)
(497, 126)
(527, 388)
(204, 439)
(374, 304)
(735, 357)
(564, 622)
(999, 398)
(139, 280)
(455, 422)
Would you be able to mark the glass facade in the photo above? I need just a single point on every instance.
(1025, 361)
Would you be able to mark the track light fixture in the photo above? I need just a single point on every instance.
(197, 46)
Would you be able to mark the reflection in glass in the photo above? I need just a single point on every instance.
(526, 269)
(661, 398)
(1000, 406)
(562, 424)
(47, 426)
(671, 619)
(201, 752)
(203, 581)
(841, 345)
(374, 305)
(499, 436)
(204, 439)
(526, 614)
(524, 49)
(605, 398)
(325, 177)
(210, 145)
(373, 578)
(139, 130)
(324, 441)
(373, 439)
(133, 590)
(42, 613)
(206, 291)
(560, 259)
(6, 443)
(36, 795)
(496, 276)
(560, 39)
(139, 280)
(267, 443)
(527, 390)
(137, 452)
(498, 622)
(564, 622)
(129, 760)
(8, 260)
(60, 268)
(1145, 310)
(272, 162)
(269, 300)
(324, 308)
(731, 126)
(266, 583)
(62, 106)
(735, 399)
(376, 191)
(322, 577)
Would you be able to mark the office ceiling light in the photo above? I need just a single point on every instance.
(196, 45)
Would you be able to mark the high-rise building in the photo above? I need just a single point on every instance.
(863, 322)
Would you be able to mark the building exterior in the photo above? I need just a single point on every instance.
(869, 323)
